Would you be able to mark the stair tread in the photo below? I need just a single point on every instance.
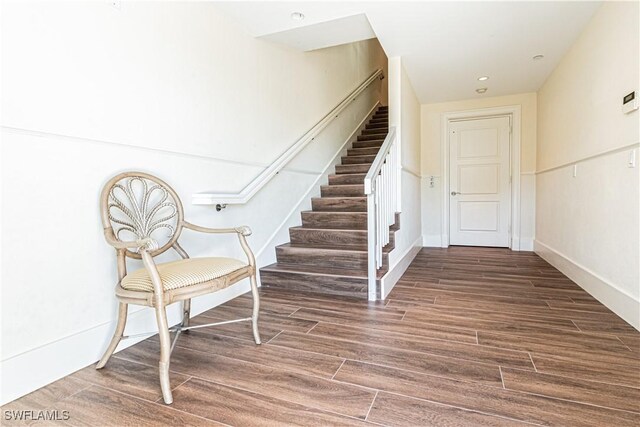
(279, 267)
(302, 227)
(358, 150)
(331, 248)
(309, 269)
(370, 141)
(335, 212)
(338, 197)
(392, 228)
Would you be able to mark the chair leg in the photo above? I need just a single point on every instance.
(186, 313)
(165, 354)
(256, 309)
(117, 335)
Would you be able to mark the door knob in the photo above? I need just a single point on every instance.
(454, 193)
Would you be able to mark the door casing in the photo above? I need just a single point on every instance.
(514, 112)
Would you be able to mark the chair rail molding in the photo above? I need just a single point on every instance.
(221, 199)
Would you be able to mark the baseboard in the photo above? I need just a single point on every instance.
(432, 240)
(394, 274)
(62, 357)
(435, 241)
(292, 217)
(617, 300)
(28, 371)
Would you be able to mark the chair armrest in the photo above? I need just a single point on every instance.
(146, 243)
(243, 229)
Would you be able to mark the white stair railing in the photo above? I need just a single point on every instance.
(220, 200)
(381, 188)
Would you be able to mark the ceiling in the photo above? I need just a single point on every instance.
(445, 46)
(325, 34)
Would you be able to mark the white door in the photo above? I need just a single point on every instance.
(479, 182)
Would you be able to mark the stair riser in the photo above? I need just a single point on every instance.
(342, 190)
(330, 237)
(371, 151)
(379, 117)
(376, 137)
(358, 160)
(346, 179)
(367, 144)
(375, 131)
(334, 220)
(353, 261)
(327, 237)
(378, 124)
(342, 204)
(362, 168)
(315, 284)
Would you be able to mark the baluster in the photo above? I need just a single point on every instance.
(381, 219)
(386, 199)
(394, 193)
(383, 176)
(385, 230)
(389, 214)
(393, 185)
(378, 205)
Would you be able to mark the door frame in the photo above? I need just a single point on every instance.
(512, 111)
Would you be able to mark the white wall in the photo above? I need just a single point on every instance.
(175, 89)
(588, 225)
(431, 119)
(404, 115)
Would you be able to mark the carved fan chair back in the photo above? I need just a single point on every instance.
(140, 206)
(143, 217)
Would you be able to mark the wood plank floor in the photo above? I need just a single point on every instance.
(468, 337)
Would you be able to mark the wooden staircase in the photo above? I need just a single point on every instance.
(328, 253)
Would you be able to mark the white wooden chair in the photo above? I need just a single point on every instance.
(143, 217)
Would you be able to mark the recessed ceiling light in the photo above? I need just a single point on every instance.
(483, 78)
(538, 57)
(297, 16)
(481, 90)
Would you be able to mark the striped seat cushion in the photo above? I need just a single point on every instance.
(178, 274)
